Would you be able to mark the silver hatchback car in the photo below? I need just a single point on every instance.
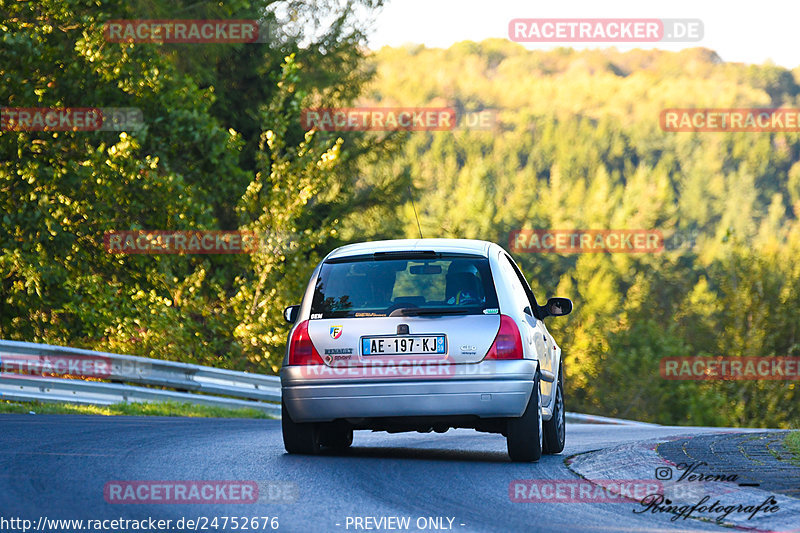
(422, 335)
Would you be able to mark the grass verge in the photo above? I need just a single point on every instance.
(130, 409)
(792, 443)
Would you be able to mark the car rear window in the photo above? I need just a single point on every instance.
(404, 286)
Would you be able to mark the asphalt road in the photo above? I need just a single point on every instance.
(58, 467)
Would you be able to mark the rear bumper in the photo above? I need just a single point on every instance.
(488, 390)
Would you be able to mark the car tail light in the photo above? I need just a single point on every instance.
(301, 349)
(507, 344)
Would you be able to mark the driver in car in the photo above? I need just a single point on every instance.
(463, 285)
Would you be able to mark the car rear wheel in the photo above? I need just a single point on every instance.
(299, 438)
(524, 434)
(555, 429)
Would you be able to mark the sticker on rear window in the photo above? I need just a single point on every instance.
(491, 311)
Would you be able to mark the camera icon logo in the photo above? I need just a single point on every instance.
(663, 473)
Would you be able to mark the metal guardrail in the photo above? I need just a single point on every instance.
(20, 360)
(578, 418)
(254, 390)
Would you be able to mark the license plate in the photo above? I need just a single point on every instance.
(403, 344)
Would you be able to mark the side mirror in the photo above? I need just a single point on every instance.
(556, 307)
(290, 313)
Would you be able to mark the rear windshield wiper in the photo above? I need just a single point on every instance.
(416, 311)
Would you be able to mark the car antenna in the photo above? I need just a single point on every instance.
(411, 194)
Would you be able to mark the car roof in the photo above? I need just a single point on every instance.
(403, 245)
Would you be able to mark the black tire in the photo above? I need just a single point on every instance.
(555, 429)
(336, 437)
(524, 434)
(299, 438)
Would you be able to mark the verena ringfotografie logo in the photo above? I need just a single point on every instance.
(659, 504)
(181, 31)
(731, 368)
(71, 119)
(751, 119)
(581, 490)
(180, 242)
(58, 365)
(610, 30)
(577, 241)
